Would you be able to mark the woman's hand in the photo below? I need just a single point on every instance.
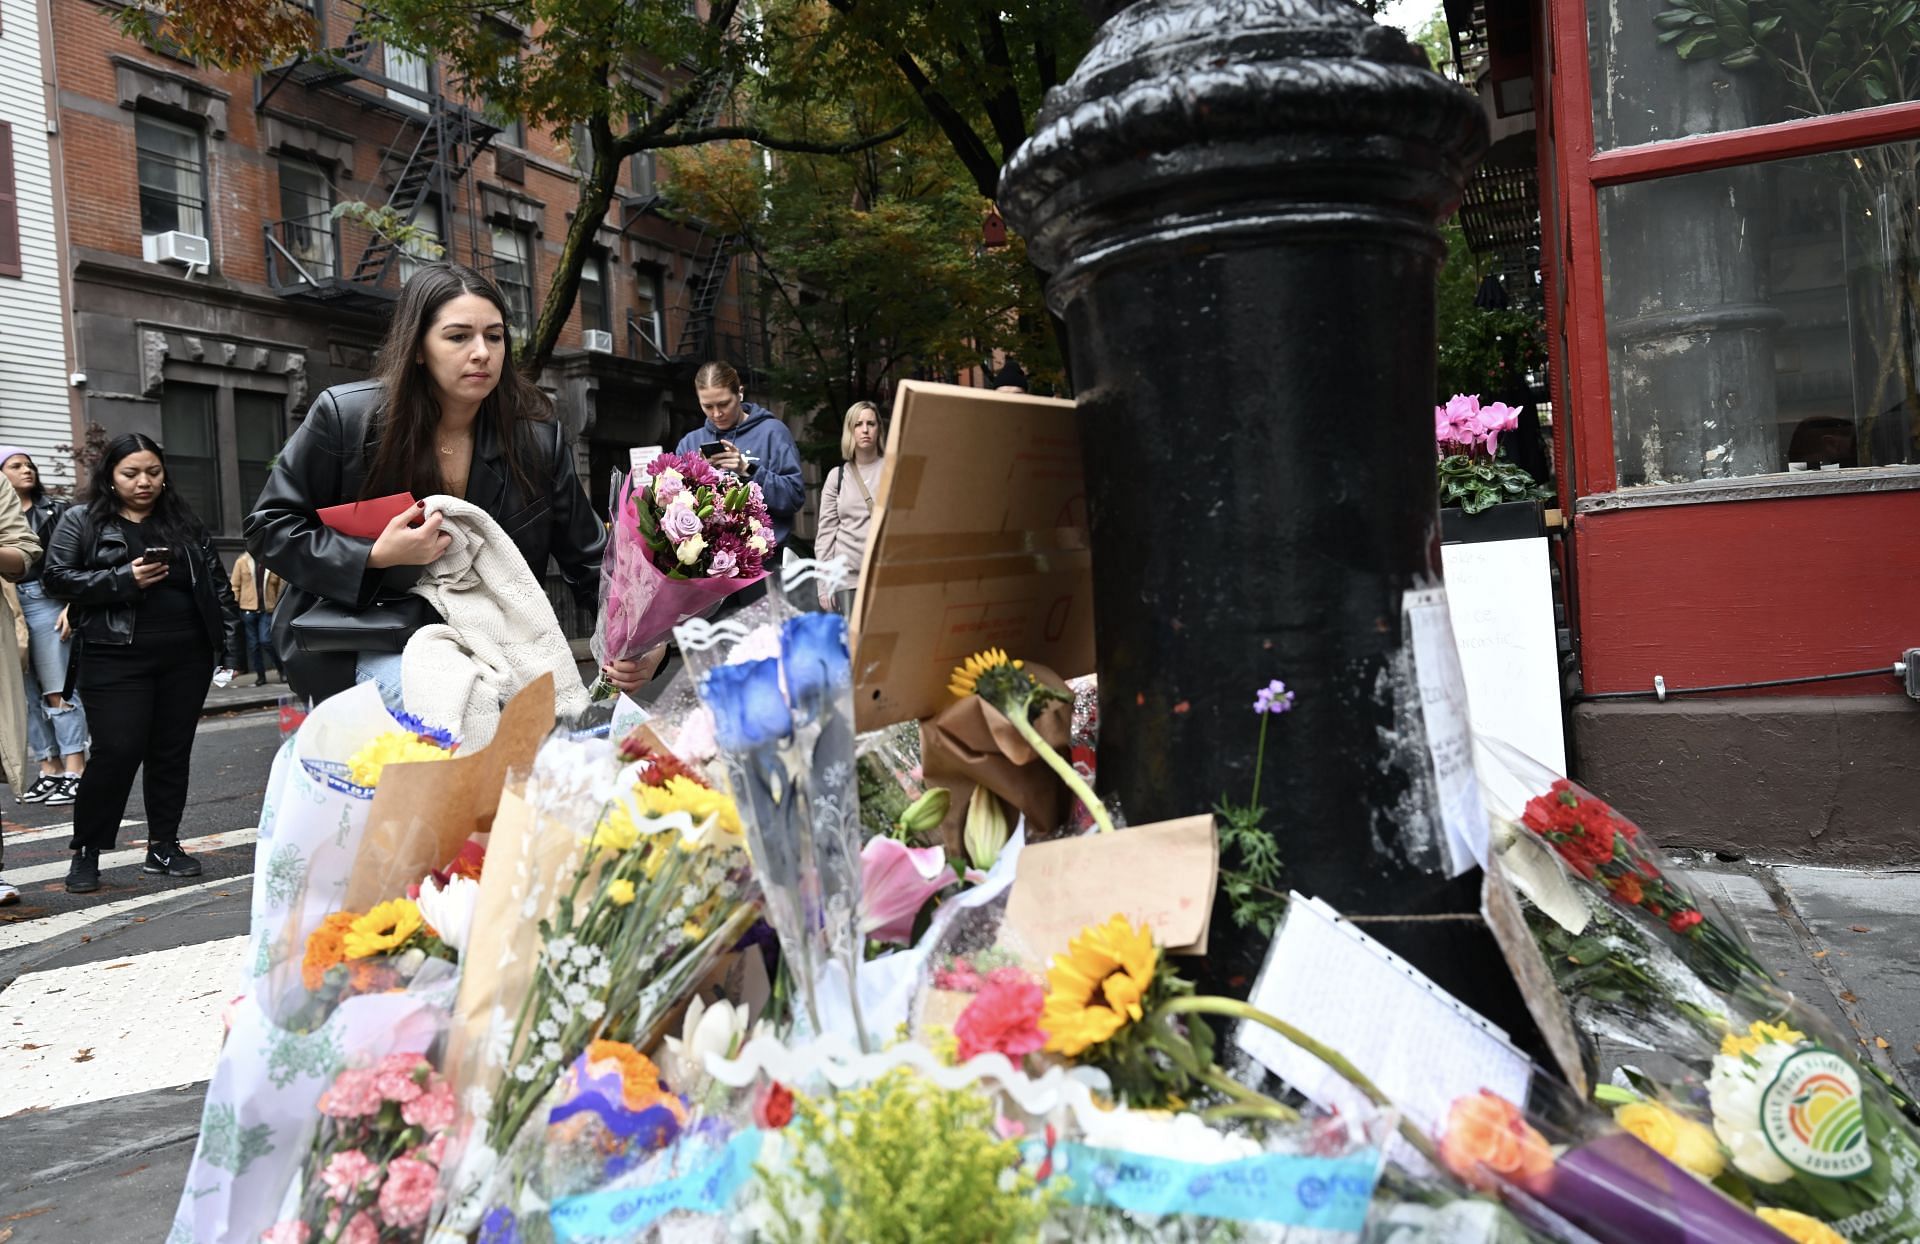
(146, 573)
(630, 676)
(402, 544)
(64, 627)
(730, 459)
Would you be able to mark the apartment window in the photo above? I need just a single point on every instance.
(260, 429)
(513, 273)
(306, 217)
(583, 148)
(9, 207)
(648, 304)
(513, 130)
(193, 462)
(593, 293)
(410, 70)
(173, 176)
(414, 253)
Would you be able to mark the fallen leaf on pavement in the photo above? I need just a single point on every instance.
(25, 1213)
(1818, 954)
(111, 966)
(84, 1056)
(139, 919)
(1882, 1043)
(1847, 995)
(1860, 928)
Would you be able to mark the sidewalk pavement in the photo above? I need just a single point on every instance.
(241, 696)
(1842, 940)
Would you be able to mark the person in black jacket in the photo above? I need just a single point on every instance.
(445, 414)
(154, 615)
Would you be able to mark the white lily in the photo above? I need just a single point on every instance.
(718, 1029)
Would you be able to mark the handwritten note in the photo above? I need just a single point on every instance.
(637, 459)
(1161, 875)
(1418, 1043)
(1443, 704)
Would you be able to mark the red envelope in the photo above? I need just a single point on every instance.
(366, 519)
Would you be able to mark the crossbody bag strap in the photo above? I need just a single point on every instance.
(862, 481)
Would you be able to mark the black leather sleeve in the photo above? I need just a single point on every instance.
(579, 537)
(282, 533)
(236, 650)
(69, 576)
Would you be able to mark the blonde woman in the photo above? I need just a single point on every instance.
(847, 498)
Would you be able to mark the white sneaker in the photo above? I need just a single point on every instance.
(8, 895)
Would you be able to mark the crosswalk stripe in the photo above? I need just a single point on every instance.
(65, 830)
(33, 873)
(33, 932)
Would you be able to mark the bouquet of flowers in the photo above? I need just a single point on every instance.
(683, 537)
(374, 1170)
(1472, 473)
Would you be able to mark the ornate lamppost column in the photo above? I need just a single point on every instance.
(1237, 203)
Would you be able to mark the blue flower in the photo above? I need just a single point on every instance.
(748, 709)
(413, 725)
(813, 650)
(499, 1227)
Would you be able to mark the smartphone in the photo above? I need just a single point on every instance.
(156, 556)
(714, 449)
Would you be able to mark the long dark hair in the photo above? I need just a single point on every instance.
(39, 492)
(172, 519)
(403, 451)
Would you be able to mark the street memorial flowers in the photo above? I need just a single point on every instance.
(684, 536)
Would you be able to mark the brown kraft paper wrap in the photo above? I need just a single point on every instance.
(422, 813)
(971, 743)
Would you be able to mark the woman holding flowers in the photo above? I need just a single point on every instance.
(846, 499)
(445, 414)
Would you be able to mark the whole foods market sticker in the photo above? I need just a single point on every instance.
(1814, 1117)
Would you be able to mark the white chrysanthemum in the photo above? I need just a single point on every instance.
(1734, 1089)
(449, 909)
(593, 1010)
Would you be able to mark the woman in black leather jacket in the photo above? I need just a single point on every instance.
(150, 605)
(445, 414)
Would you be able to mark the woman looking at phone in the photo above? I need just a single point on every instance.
(152, 613)
(846, 499)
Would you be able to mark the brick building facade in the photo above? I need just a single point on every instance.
(213, 296)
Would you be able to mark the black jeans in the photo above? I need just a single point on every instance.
(143, 703)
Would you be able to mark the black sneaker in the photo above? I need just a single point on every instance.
(46, 785)
(69, 790)
(168, 858)
(83, 876)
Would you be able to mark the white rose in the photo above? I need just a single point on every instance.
(690, 549)
(1734, 1089)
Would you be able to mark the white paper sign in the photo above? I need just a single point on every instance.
(1500, 596)
(1443, 703)
(1419, 1044)
(626, 715)
(637, 459)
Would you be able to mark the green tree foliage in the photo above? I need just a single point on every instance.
(872, 266)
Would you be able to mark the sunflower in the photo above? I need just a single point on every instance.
(966, 676)
(324, 949)
(386, 928)
(1098, 986)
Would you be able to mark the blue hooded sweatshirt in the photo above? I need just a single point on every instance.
(773, 461)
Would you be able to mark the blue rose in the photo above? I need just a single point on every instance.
(748, 709)
(813, 650)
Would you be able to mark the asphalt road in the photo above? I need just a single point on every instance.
(109, 1002)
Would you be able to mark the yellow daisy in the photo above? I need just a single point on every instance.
(382, 930)
(967, 675)
(616, 830)
(682, 794)
(1757, 1035)
(1099, 986)
(392, 748)
(1800, 1227)
(619, 891)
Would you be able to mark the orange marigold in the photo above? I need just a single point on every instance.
(326, 947)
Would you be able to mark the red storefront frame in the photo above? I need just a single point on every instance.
(1711, 591)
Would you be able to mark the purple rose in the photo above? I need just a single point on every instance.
(723, 564)
(666, 486)
(679, 522)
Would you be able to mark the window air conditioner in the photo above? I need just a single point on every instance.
(188, 249)
(598, 340)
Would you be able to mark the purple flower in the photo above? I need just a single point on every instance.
(1273, 698)
(723, 564)
(666, 486)
(679, 523)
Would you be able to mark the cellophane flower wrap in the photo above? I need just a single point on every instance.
(781, 695)
(658, 888)
(683, 537)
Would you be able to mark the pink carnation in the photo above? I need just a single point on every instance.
(1003, 1017)
(347, 1172)
(289, 1232)
(407, 1196)
(361, 1229)
(351, 1095)
(434, 1151)
(433, 1110)
(398, 1077)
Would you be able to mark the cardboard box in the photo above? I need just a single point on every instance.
(981, 542)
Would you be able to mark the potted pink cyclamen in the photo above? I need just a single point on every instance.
(1474, 475)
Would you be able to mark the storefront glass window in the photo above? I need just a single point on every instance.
(1765, 318)
(1684, 67)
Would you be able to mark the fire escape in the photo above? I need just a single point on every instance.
(355, 263)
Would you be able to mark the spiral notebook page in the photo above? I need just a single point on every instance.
(1420, 1045)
